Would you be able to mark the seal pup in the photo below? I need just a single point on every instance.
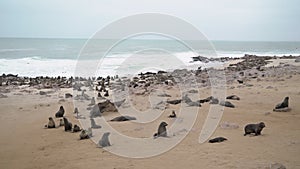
(76, 128)
(284, 104)
(173, 115)
(60, 112)
(254, 128)
(67, 124)
(51, 123)
(93, 102)
(61, 122)
(162, 131)
(94, 125)
(106, 93)
(217, 140)
(85, 134)
(104, 141)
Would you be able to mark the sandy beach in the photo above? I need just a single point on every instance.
(26, 144)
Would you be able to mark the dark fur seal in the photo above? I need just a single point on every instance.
(233, 97)
(76, 128)
(60, 112)
(174, 101)
(68, 125)
(284, 104)
(85, 134)
(123, 118)
(173, 115)
(106, 94)
(104, 141)
(217, 140)
(51, 123)
(94, 125)
(254, 128)
(227, 104)
(162, 131)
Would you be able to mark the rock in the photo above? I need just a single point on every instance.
(227, 104)
(200, 59)
(123, 118)
(297, 59)
(233, 97)
(68, 95)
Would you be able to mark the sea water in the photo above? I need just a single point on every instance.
(61, 57)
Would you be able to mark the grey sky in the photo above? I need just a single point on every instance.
(268, 20)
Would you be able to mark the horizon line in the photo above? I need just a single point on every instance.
(81, 38)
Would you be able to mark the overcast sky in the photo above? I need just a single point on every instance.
(249, 20)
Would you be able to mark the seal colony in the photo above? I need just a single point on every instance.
(243, 107)
(103, 86)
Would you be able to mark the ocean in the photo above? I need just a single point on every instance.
(59, 57)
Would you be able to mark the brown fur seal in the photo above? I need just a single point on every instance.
(104, 141)
(60, 112)
(76, 128)
(254, 128)
(173, 115)
(162, 131)
(284, 104)
(51, 123)
(68, 125)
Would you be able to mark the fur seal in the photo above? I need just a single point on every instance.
(233, 97)
(227, 104)
(51, 123)
(284, 104)
(106, 93)
(76, 128)
(94, 125)
(104, 141)
(217, 140)
(173, 115)
(60, 112)
(93, 102)
(162, 131)
(68, 125)
(123, 118)
(174, 101)
(85, 134)
(61, 122)
(254, 128)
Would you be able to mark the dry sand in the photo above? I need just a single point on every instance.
(26, 144)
